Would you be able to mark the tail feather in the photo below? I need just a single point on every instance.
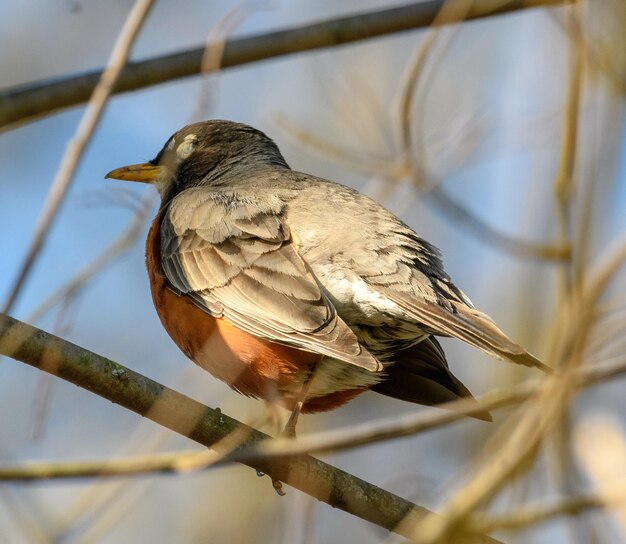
(420, 374)
(527, 359)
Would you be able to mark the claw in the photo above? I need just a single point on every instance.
(278, 486)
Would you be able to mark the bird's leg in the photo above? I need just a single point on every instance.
(290, 428)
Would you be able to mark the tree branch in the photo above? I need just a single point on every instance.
(27, 102)
(206, 426)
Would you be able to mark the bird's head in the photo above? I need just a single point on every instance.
(206, 153)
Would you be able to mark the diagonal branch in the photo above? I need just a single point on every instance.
(208, 427)
(30, 101)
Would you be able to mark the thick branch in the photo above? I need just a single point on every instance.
(206, 426)
(27, 102)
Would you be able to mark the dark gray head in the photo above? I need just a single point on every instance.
(206, 153)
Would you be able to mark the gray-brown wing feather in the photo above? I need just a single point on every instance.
(410, 273)
(234, 256)
(469, 325)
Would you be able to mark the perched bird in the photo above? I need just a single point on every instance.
(296, 289)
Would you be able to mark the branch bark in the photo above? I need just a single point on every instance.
(27, 102)
(206, 426)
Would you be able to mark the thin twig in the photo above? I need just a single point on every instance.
(354, 159)
(113, 251)
(76, 147)
(568, 285)
(534, 515)
(564, 179)
(483, 231)
(206, 426)
(213, 55)
(28, 102)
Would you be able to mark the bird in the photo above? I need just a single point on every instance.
(296, 289)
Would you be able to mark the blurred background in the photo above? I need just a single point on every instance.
(487, 123)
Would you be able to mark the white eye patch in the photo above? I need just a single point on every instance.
(187, 146)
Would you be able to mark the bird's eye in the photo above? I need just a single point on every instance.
(187, 146)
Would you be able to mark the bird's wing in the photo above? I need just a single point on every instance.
(234, 256)
(410, 273)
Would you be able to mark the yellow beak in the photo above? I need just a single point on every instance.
(145, 173)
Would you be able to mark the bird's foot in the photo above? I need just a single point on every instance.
(276, 484)
(278, 487)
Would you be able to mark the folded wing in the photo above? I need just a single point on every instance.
(233, 254)
(410, 272)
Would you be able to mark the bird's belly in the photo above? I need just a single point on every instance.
(258, 368)
(250, 365)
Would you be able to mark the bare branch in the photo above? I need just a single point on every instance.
(77, 145)
(208, 427)
(28, 102)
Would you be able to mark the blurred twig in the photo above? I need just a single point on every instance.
(213, 54)
(604, 54)
(75, 149)
(534, 515)
(198, 422)
(355, 159)
(568, 285)
(28, 102)
(486, 233)
(564, 180)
